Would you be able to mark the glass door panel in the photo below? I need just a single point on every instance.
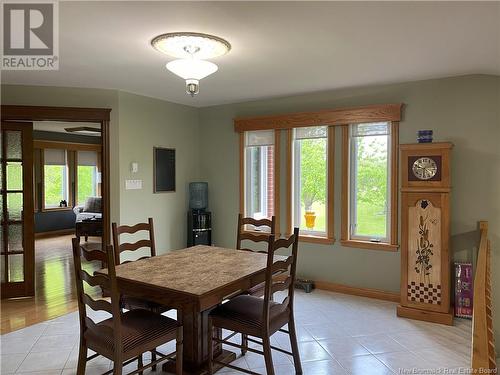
(16, 200)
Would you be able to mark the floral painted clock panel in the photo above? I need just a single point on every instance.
(424, 253)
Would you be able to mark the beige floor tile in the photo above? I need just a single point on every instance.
(364, 364)
(380, 343)
(42, 361)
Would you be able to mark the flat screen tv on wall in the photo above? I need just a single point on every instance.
(164, 170)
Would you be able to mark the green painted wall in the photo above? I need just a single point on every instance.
(463, 110)
(145, 123)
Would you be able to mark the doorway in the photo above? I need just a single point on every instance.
(68, 195)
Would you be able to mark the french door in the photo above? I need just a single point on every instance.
(16, 199)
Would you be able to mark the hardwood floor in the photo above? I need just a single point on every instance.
(55, 290)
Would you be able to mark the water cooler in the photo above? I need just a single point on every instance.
(199, 220)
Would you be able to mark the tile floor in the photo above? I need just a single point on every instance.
(338, 334)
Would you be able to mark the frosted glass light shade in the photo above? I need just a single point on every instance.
(182, 45)
(192, 68)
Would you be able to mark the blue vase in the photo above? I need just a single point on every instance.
(424, 136)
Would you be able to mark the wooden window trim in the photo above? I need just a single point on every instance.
(393, 230)
(331, 117)
(276, 197)
(329, 238)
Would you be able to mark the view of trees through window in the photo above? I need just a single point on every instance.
(313, 175)
(55, 184)
(371, 183)
(86, 183)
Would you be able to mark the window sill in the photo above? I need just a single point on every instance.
(369, 245)
(316, 239)
(56, 209)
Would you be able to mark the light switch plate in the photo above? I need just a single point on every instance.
(133, 184)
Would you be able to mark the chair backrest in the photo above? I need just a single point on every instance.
(105, 282)
(133, 246)
(280, 274)
(252, 236)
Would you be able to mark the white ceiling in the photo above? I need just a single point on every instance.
(279, 48)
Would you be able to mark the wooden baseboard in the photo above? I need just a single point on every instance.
(55, 233)
(427, 316)
(362, 292)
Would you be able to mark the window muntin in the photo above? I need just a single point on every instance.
(87, 176)
(56, 184)
(259, 166)
(370, 182)
(310, 180)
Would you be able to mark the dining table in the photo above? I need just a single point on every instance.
(193, 281)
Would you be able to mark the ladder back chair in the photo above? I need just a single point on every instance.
(262, 317)
(129, 302)
(252, 235)
(123, 337)
(132, 302)
(257, 290)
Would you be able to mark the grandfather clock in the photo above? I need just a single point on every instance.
(425, 237)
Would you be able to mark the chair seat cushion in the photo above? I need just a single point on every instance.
(138, 328)
(248, 311)
(133, 303)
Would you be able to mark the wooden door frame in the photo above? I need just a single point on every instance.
(73, 114)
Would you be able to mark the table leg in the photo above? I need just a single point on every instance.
(196, 334)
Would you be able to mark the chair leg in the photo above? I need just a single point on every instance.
(210, 347)
(82, 359)
(140, 364)
(179, 342)
(295, 348)
(268, 357)
(244, 343)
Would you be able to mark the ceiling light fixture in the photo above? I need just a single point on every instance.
(191, 50)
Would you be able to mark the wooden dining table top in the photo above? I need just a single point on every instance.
(196, 271)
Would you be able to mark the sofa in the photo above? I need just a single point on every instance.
(92, 209)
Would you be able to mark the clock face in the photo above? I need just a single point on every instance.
(424, 168)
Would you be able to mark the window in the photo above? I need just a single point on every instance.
(87, 176)
(311, 201)
(260, 168)
(55, 178)
(371, 187)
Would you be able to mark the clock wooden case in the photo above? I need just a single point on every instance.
(425, 232)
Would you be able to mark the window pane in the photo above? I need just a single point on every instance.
(370, 184)
(14, 176)
(14, 145)
(55, 184)
(15, 206)
(259, 138)
(16, 268)
(310, 183)
(86, 183)
(259, 182)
